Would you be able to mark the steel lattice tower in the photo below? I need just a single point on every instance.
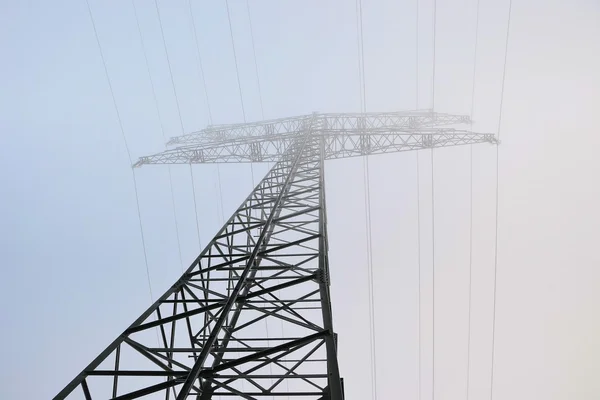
(203, 338)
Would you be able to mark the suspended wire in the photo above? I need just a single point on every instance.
(471, 205)
(237, 71)
(162, 129)
(143, 45)
(504, 68)
(162, 33)
(433, 211)
(195, 207)
(470, 267)
(433, 272)
(366, 183)
(200, 65)
(417, 59)
(418, 209)
(262, 112)
(210, 121)
(366, 178)
(497, 190)
(434, 43)
(135, 188)
(360, 69)
(362, 58)
(419, 267)
(220, 193)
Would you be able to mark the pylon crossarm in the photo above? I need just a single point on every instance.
(337, 145)
(332, 122)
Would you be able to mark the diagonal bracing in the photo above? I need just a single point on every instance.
(266, 267)
(345, 135)
(267, 263)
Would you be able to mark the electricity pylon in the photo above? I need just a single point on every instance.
(266, 269)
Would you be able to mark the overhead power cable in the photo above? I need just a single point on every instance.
(162, 33)
(135, 188)
(433, 272)
(220, 194)
(371, 295)
(419, 270)
(497, 195)
(419, 344)
(210, 120)
(417, 57)
(195, 208)
(434, 48)
(433, 210)
(471, 207)
(162, 129)
(237, 72)
(200, 64)
(262, 111)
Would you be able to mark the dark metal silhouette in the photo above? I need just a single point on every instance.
(267, 263)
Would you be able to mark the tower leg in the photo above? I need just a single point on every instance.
(252, 315)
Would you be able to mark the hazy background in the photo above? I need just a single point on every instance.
(73, 274)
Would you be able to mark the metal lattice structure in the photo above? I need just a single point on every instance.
(205, 337)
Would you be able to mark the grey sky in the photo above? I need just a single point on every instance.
(73, 269)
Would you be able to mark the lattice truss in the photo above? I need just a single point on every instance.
(345, 135)
(251, 317)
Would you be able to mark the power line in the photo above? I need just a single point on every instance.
(358, 46)
(210, 121)
(418, 207)
(200, 62)
(195, 207)
(237, 70)
(419, 266)
(371, 291)
(433, 272)
(504, 68)
(220, 193)
(372, 335)
(417, 58)
(137, 200)
(470, 267)
(162, 33)
(262, 112)
(497, 190)
(362, 57)
(434, 41)
(471, 206)
(162, 129)
(137, 21)
(433, 211)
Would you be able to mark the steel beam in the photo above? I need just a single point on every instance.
(260, 270)
(208, 335)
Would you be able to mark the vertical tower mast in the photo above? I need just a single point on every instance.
(251, 316)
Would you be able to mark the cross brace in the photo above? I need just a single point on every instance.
(208, 335)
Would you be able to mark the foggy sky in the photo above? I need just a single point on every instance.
(72, 262)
